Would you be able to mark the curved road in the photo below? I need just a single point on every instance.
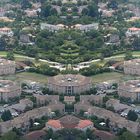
(59, 65)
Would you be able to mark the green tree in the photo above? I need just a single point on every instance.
(6, 115)
(132, 116)
(127, 136)
(10, 136)
(128, 55)
(105, 99)
(25, 4)
(10, 55)
(45, 10)
(93, 10)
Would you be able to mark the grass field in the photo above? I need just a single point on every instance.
(32, 76)
(107, 76)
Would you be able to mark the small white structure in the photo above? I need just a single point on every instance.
(52, 28)
(86, 28)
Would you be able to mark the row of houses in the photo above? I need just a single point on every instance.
(116, 121)
(69, 121)
(23, 120)
(83, 28)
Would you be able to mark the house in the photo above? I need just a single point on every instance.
(32, 12)
(55, 125)
(52, 28)
(45, 99)
(104, 85)
(6, 31)
(23, 120)
(116, 105)
(69, 121)
(133, 31)
(112, 39)
(2, 12)
(84, 125)
(116, 121)
(132, 67)
(22, 105)
(69, 84)
(86, 28)
(7, 67)
(26, 39)
(130, 89)
(69, 99)
(9, 90)
(5, 19)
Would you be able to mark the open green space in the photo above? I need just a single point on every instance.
(113, 76)
(32, 76)
(106, 77)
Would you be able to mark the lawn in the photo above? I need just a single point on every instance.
(107, 76)
(32, 76)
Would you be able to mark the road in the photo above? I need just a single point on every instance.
(60, 66)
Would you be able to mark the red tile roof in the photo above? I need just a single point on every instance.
(55, 124)
(134, 29)
(84, 123)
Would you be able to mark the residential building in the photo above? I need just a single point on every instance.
(26, 39)
(104, 85)
(32, 12)
(69, 99)
(45, 99)
(86, 28)
(6, 31)
(5, 19)
(2, 12)
(96, 99)
(112, 39)
(9, 90)
(22, 105)
(23, 120)
(69, 121)
(133, 32)
(130, 89)
(7, 67)
(55, 125)
(116, 121)
(84, 125)
(52, 28)
(116, 105)
(132, 67)
(69, 84)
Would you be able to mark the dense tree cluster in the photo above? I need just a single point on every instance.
(6, 115)
(44, 69)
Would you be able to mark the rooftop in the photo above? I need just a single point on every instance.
(69, 80)
(69, 121)
(55, 124)
(7, 85)
(35, 135)
(84, 123)
(134, 29)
